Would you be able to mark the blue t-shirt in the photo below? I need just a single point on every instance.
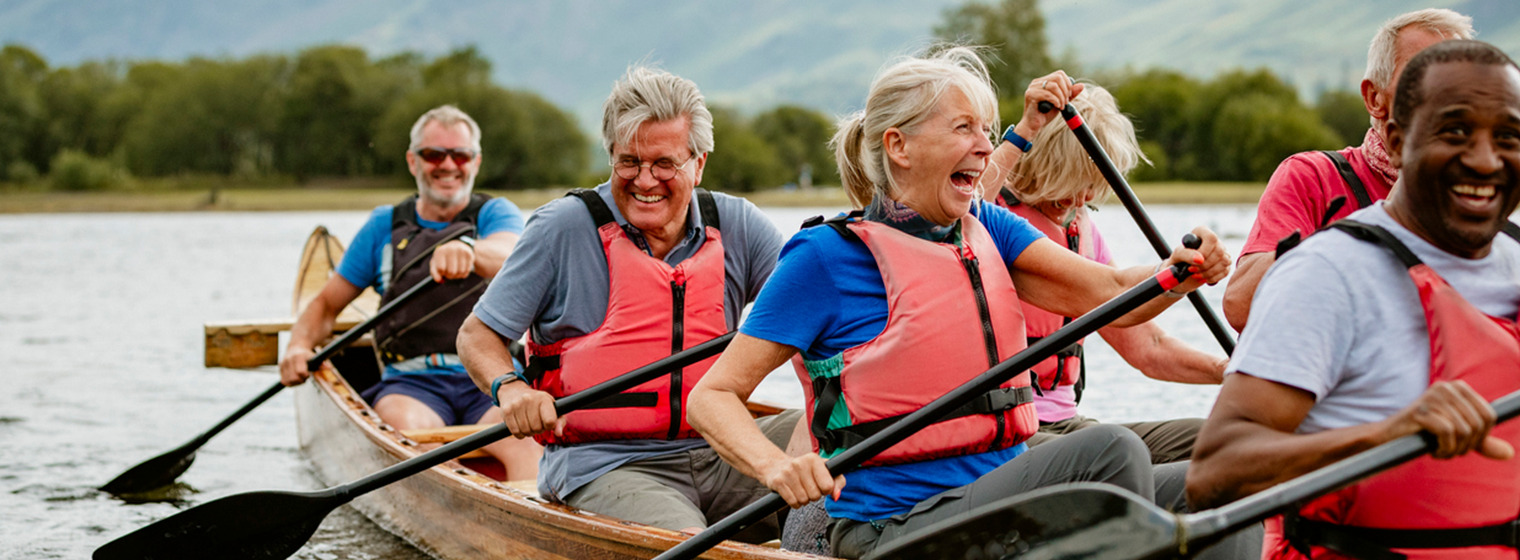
(827, 295)
(366, 263)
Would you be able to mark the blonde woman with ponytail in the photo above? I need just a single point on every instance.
(879, 307)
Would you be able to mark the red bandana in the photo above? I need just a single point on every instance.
(1376, 152)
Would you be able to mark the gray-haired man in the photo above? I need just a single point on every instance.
(609, 279)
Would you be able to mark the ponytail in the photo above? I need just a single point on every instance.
(847, 147)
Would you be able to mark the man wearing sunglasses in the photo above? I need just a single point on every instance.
(446, 234)
(610, 279)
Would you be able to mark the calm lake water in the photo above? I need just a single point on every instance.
(100, 330)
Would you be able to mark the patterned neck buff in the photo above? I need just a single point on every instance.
(907, 220)
(1376, 152)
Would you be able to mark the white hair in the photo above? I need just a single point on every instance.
(446, 115)
(902, 96)
(1384, 49)
(645, 94)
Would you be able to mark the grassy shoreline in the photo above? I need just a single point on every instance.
(366, 196)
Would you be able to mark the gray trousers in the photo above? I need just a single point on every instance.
(685, 489)
(1108, 454)
(1168, 440)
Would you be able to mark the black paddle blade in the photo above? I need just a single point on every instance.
(1086, 520)
(254, 525)
(151, 474)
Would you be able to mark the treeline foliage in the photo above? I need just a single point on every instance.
(1235, 127)
(327, 111)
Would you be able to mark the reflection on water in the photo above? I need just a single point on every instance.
(100, 329)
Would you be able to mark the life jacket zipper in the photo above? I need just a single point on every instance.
(989, 337)
(677, 344)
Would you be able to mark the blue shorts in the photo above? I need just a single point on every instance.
(454, 397)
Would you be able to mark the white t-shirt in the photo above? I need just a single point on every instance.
(1340, 318)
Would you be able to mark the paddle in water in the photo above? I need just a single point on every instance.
(1103, 522)
(1137, 212)
(162, 470)
(944, 405)
(272, 525)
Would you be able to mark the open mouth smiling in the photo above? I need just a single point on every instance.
(965, 180)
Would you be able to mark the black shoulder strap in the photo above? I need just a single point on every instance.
(1375, 234)
(709, 209)
(838, 223)
(471, 212)
(1344, 167)
(404, 213)
(1009, 198)
(1512, 230)
(599, 211)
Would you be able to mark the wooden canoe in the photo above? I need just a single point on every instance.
(459, 509)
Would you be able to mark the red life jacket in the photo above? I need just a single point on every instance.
(1426, 508)
(653, 310)
(1068, 367)
(952, 314)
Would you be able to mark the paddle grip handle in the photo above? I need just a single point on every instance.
(1191, 241)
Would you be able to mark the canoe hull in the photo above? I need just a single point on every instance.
(450, 511)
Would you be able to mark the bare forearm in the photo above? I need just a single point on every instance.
(1162, 357)
(492, 251)
(1240, 458)
(484, 353)
(1241, 288)
(722, 419)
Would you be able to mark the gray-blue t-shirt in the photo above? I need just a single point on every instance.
(555, 286)
(1340, 318)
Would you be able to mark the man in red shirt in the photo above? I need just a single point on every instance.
(1302, 195)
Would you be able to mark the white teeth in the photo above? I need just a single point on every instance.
(1473, 190)
(649, 198)
(972, 174)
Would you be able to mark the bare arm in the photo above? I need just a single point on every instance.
(716, 409)
(525, 410)
(457, 259)
(492, 251)
(1055, 279)
(1163, 357)
(1248, 444)
(1242, 287)
(1055, 88)
(313, 326)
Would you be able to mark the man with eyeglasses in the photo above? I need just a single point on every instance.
(446, 234)
(613, 278)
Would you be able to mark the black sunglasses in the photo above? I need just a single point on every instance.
(435, 155)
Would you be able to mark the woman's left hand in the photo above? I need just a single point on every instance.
(1209, 263)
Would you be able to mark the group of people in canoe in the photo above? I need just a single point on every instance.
(962, 251)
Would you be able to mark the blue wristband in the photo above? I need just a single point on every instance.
(496, 385)
(1018, 141)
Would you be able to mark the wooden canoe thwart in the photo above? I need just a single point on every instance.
(460, 509)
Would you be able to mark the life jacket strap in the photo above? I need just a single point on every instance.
(1375, 543)
(996, 401)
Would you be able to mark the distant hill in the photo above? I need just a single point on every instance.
(752, 55)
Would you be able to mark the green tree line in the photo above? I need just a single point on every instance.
(1235, 127)
(328, 111)
(334, 111)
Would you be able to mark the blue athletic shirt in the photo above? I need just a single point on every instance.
(362, 262)
(827, 295)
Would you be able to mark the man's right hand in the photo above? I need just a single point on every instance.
(1458, 416)
(528, 411)
(293, 366)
